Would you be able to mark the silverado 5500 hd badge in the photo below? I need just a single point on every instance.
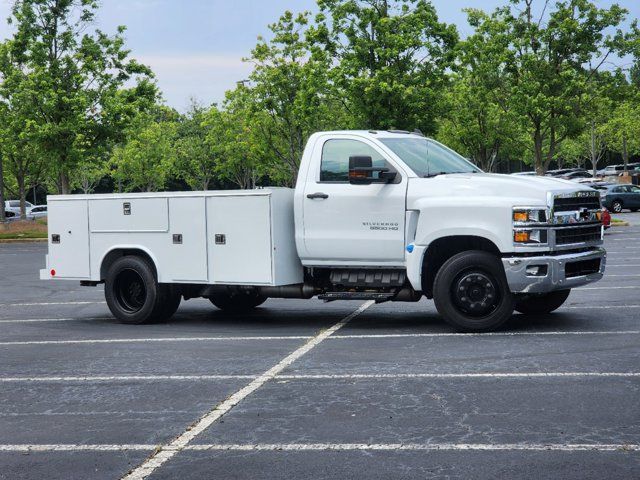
(381, 225)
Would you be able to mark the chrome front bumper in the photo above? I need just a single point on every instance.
(523, 278)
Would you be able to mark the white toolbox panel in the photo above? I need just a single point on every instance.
(129, 214)
(243, 252)
(187, 261)
(70, 257)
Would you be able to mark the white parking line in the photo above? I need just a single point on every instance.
(166, 452)
(150, 340)
(366, 376)
(620, 266)
(306, 337)
(123, 378)
(337, 376)
(625, 287)
(73, 448)
(622, 275)
(486, 334)
(40, 320)
(596, 307)
(563, 447)
(39, 304)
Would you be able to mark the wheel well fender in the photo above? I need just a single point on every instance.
(442, 249)
(121, 251)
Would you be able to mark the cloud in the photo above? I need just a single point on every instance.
(203, 76)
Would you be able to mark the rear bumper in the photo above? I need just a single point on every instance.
(547, 273)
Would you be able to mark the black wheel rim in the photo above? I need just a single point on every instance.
(475, 293)
(130, 290)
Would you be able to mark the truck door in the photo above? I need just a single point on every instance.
(352, 224)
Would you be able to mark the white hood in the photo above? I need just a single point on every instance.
(488, 187)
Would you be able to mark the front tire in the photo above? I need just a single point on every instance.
(471, 292)
(237, 301)
(132, 291)
(543, 303)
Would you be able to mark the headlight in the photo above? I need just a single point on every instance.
(530, 236)
(529, 215)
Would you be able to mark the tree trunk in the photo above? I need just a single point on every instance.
(594, 159)
(22, 193)
(625, 152)
(2, 212)
(537, 145)
(64, 187)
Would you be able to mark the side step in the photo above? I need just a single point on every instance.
(378, 297)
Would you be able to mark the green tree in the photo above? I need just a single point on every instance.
(622, 131)
(392, 59)
(289, 89)
(147, 159)
(195, 161)
(544, 66)
(476, 126)
(72, 76)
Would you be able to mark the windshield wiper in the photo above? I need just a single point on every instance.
(430, 175)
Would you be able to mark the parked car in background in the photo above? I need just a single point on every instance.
(606, 218)
(8, 215)
(562, 171)
(39, 211)
(576, 175)
(613, 170)
(618, 197)
(14, 206)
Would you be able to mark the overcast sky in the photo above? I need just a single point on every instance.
(196, 47)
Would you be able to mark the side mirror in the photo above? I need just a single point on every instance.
(361, 172)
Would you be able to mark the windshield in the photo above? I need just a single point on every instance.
(427, 157)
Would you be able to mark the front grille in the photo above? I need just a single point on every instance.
(570, 235)
(572, 204)
(584, 267)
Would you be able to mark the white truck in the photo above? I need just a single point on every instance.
(382, 215)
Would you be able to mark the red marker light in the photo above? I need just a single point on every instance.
(53, 272)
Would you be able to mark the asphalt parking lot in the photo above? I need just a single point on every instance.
(304, 389)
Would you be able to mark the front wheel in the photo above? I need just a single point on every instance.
(542, 303)
(471, 292)
(237, 301)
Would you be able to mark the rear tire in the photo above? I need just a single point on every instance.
(543, 303)
(237, 301)
(132, 291)
(471, 292)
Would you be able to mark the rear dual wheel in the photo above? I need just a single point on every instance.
(134, 295)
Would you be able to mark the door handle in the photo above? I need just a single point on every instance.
(318, 195)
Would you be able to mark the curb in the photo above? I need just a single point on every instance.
(22, 240)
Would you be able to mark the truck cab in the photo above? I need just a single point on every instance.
(381, 215)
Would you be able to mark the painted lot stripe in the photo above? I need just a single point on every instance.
(41, 320)
(148, 340)
(301, 337)
(486, 334)
(124, 378)
(73, 448)
(168, 451)
(39, 304)
(380, 376)
(563, 447)
(629, 287)
(337, 376)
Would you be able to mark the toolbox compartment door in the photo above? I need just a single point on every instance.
(129, 214)
(239, 239)
(69, 225)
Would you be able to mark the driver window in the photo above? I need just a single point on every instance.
(334, 165)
